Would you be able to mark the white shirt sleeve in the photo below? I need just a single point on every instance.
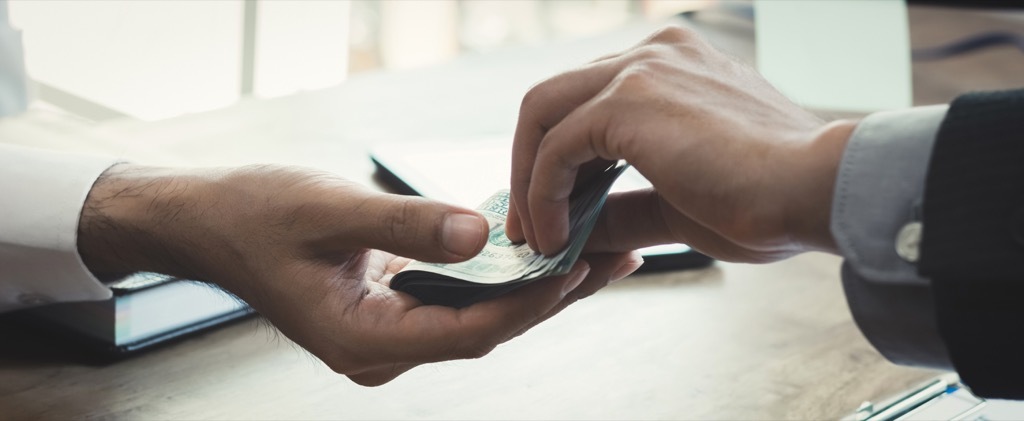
(41, 198)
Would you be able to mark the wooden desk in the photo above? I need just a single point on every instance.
(730, 342)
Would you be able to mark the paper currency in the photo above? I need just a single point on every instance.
(503, 266)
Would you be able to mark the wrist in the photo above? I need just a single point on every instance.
(130, 221)
(810, 221)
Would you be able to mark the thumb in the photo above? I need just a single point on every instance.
(416, 228)
(629, 221)
(641, 218)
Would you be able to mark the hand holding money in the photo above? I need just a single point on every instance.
(739, 172)
(503, 266)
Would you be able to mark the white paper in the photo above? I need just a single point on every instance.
(847, 55)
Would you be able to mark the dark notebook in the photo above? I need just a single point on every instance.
(147, 309)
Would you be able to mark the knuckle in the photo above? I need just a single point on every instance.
(636, 78)
(653, 58)
(646, 53)
(673, 34)
(536, 95)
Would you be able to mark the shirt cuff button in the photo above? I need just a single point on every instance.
(908, 242)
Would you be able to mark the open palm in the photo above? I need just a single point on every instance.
(314, 254)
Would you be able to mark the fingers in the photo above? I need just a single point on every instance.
(413, 227)
(425, 334)
(633, 220)
(490, 326)
(445, 334)
(549, 106)
(605, 268)
(513, 224)
(641, 218)
(543, 107)
(543, 295)
(566, 147)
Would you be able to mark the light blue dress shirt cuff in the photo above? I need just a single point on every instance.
(881, 179)
(878, 189)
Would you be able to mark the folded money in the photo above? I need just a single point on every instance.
(503, 266)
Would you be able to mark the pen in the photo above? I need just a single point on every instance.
(904, 403)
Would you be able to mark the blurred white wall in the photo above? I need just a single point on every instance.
(156, 59)
(151, 59)
(300, 45)
(418, 32)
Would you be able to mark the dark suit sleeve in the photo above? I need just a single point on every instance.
(972, 244)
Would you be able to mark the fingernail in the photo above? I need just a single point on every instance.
(462, 234)
(626, 269)
(575, 281)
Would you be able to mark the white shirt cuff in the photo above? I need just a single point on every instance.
(42, 194)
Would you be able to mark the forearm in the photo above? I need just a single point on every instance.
(135, 219)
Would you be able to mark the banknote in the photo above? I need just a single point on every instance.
(502, 265)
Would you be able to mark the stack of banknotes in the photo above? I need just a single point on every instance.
(503, 266)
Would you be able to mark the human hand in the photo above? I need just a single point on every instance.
(304, 248)
(740, 172)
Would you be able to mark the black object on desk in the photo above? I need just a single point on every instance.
(147, 310)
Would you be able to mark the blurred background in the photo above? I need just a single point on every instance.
(152, 60)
